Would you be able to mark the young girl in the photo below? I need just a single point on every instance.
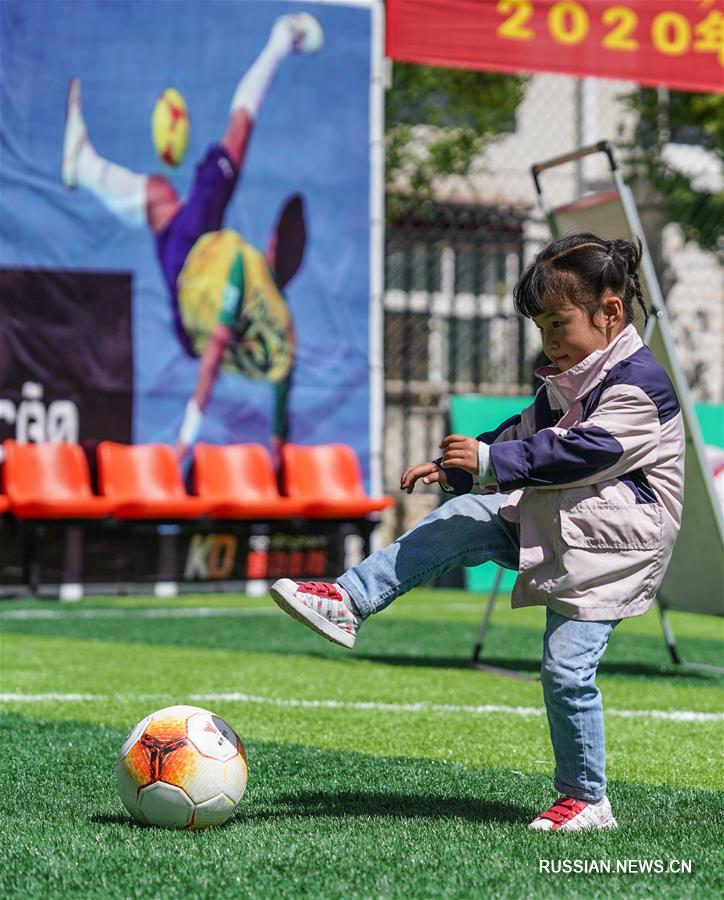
(591, 487)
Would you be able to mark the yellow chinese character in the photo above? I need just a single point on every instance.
(709, 35)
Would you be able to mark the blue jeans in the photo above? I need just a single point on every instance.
(571, 653)
(467, 531)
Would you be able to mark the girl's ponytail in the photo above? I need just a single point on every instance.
(627, 255)
(634, 276)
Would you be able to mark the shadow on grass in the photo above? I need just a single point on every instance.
(129, 822)
(116, 819)
(618, 667)
(318, 805)
(392, 806)
(431, 662)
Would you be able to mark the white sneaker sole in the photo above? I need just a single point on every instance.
(282, 593)
(609, 823)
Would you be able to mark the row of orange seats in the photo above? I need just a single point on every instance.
(145, 481)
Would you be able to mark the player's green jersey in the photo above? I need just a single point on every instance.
(226, 280)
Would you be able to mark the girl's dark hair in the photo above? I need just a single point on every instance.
(582, 268)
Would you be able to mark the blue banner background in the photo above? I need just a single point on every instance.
(312, 137)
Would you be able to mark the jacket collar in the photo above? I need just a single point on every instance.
(578, 381)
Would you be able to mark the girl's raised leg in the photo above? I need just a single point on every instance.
(466, 531)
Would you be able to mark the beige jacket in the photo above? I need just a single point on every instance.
(595, 471)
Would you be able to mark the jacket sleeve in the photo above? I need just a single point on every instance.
(622, 434)
(509, 430)
(460, 481)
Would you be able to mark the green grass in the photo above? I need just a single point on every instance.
(418, 798)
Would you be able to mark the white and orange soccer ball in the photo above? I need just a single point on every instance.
(182, 767)
(170, 127)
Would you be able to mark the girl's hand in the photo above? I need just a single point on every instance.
(428, 471)
(460, 451)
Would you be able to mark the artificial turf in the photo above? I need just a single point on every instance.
(397, 786)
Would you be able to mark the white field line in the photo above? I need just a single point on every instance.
(193, 612)
(190, 612)
(669, 716)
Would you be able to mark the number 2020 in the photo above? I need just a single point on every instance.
(569, 23)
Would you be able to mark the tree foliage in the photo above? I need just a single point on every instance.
(684, 118)
(439, 122)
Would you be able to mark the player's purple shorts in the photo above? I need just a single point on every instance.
(203, 211)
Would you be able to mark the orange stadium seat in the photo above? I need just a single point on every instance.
(144, 481)
(51, 481)
(329, 478)
(241, 482)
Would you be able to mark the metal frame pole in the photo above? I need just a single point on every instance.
(486, 618)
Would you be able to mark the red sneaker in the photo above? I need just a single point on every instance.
(569, 814)
(321, 606)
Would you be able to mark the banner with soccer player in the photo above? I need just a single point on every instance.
(186, 192)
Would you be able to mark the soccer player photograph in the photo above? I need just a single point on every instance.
(227, 296)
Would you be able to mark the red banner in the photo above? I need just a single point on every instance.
(677, 43)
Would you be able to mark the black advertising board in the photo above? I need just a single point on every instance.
(66, 359)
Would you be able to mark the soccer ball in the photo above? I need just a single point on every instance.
(182, 767)
(170, 127)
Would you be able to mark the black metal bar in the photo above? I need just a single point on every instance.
(476, 337)
(485, 349)
(669, 636)
(73, 554)
(523, 377)
(30, 554)
(600, 147)
(405, 398)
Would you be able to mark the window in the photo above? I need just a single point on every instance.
(469, 351)
(413, 267)
(478, 270)
(448, 317)
(406, 346)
